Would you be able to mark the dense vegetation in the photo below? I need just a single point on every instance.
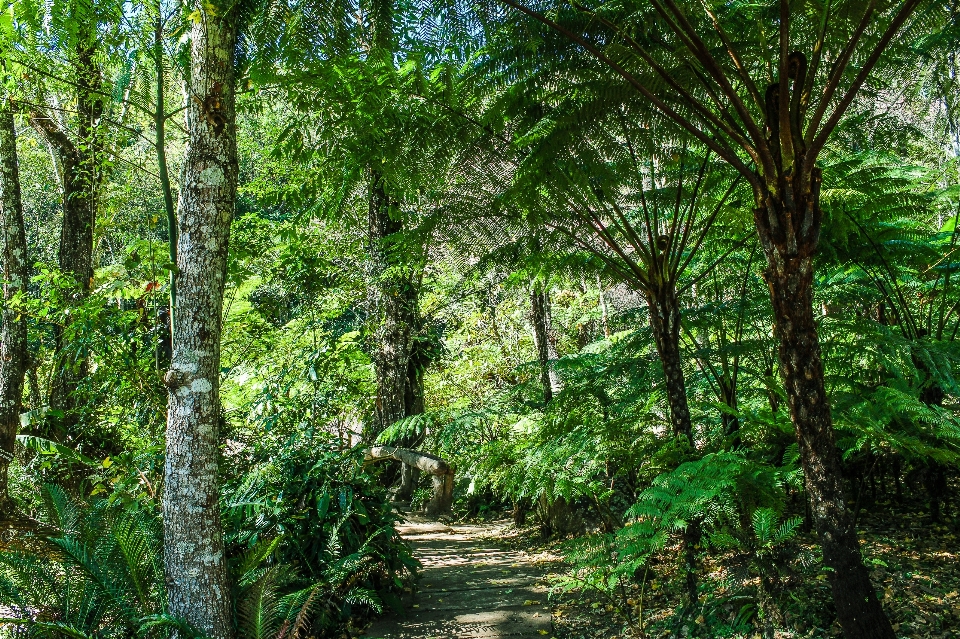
(671, 280)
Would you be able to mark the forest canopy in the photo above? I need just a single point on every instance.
(667, 284)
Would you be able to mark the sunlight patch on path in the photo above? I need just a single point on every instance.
(470, 589)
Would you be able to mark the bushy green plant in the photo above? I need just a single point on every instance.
(311, 544)
(331, 520)
(763, 552)
(89, 570)
(714, 495)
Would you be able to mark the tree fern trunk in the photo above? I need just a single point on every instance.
(665, 324)
(790, 280)
(14, 358)
(196, 573)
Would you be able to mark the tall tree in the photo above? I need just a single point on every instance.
(16, 273)
(395, 276)
(698, 65)
(196, 571)
(79, 159)
(393, 306)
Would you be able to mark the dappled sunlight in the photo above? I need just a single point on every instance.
(470, 588)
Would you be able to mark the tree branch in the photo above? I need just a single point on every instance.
(50, 129)
(821, 139)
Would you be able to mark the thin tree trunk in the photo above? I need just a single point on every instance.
(159, 118)
(604, 310)
(791, 292)
(728, 396)
(14, 358)
(546, 351)
(665, 324)
(198, 590)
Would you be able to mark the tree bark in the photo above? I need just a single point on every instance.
(790, 280)
(388, 300)
(665, 324)
(393, 299)
(14, 358)
(81, 176)
(196, 572)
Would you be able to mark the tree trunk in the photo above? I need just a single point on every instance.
(788, 219)
(604, 310)
(790, 280)
(393, 299)
(14, 357)
(196, 572)
(81, 176)
(728, 397)
(388, 304)
(543, 342)
(665, 324)
(159, 120)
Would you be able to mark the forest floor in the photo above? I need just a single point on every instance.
(490, 580)
(471, 587)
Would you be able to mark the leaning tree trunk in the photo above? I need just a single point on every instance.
(441, 502)
(665, 324)
(16, 272)
(789, 237)
(198, 590)
(81, 176)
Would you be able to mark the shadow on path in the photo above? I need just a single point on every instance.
(469, 588)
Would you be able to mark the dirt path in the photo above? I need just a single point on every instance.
(470, 588)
